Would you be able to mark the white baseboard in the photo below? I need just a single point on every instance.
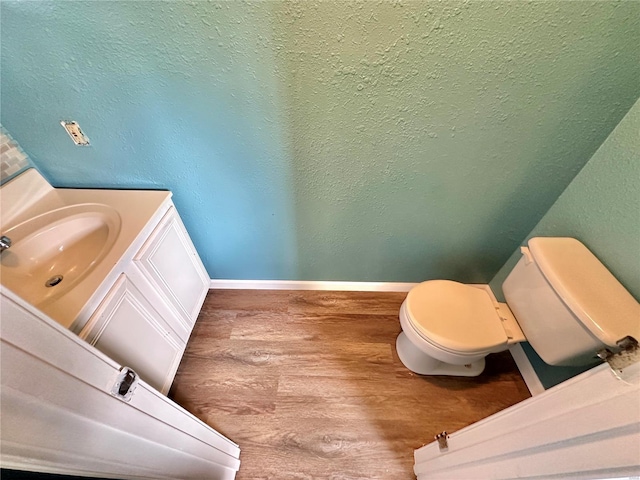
(526, 370)
(310, 285)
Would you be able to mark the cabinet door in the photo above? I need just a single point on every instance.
(127, 328)
(170, 262)
(59, 415)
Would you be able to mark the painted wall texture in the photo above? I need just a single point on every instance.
(390, 141)
(601, 208)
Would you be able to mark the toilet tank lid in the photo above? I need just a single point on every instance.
(585, 285)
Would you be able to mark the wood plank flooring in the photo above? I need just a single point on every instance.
(309, 385)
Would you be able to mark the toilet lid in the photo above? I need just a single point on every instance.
(457, 317)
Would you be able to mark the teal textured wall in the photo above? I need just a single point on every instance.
(601, 208)
(392, 141)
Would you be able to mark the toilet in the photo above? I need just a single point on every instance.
(560, 298)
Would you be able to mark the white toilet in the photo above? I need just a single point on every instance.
(560, 298)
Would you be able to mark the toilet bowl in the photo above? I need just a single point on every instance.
(560, 298)
(448, 328)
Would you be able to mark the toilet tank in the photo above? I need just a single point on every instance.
(567, 303)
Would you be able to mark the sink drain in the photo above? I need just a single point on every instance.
(53, 281)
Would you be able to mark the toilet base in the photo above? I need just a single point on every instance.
(419, 362)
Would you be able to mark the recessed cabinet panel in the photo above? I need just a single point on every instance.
(170, 262)
(159, 300)
(127, 328)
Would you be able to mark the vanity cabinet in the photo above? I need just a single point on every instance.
(145, 320)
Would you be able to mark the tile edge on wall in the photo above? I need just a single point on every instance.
(310, 285)
(13, 160)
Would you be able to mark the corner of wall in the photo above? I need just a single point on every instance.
(599, 207)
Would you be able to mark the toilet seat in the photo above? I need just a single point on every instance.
(455, 317)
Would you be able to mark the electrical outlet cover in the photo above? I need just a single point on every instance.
(75, 132)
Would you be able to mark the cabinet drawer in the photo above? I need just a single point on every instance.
(170, 263)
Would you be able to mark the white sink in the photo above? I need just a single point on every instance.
(68, 244)
(53, 251)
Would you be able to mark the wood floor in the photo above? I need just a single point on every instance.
(309, 385)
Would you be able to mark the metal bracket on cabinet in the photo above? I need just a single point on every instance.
(442, 438)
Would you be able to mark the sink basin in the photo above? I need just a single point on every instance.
(54, 251)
